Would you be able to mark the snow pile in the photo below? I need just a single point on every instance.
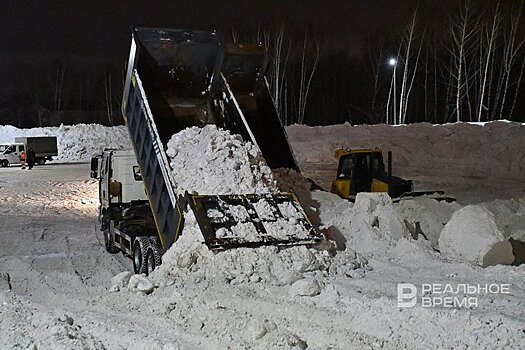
(426, 216)
(191, 260)
(25, 325)
(62, 334)
(210, 160)
(473, 235)
(215, 162)
(375, 225)
(509, 216)
(489, 149)
(76, 143)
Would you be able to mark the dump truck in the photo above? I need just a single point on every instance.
(177, 79)
(45, 148)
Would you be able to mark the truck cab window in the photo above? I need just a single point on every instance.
(136, 173)
(20, 148)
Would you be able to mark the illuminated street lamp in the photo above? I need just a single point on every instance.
(393, 63)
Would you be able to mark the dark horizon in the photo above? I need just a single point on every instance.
(99, 29)
(88, 43)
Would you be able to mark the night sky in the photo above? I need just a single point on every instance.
(98, 30)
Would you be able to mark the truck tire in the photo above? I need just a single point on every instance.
(109, 242)
(41, 161)
(154, 255)
(4, 163)
(140, 251)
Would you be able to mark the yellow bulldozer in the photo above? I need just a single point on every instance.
(363, 170)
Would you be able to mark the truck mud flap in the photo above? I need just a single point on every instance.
(253, 220)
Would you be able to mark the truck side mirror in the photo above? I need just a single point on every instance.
(94, 167)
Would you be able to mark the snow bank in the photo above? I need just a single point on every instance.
(472, 235)
(491, 149)
(210, 160)
(76, 143)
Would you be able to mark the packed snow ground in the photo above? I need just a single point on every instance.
(55, 289)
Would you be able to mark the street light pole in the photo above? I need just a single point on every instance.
(393, 62)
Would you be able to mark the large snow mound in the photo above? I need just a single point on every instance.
(210, 160)
(494, 148)
(473, 235)
(76, 143)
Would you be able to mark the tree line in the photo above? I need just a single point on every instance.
(465, 63)
(461, 63)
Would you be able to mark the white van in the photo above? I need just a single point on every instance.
(10, 153)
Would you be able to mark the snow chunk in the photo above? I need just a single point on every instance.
(428, 215)
(120, 281)
(375, 225)
(140, 283)
(305, 287)
(472, 235)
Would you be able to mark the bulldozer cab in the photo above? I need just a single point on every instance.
(358, 171)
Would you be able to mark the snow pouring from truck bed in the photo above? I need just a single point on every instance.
(210, 160)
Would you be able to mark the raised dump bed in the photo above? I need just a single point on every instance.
(175, 79)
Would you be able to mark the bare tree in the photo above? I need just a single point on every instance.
(308, 69)
(511, 49)
(278, 55)
(463, 29)
(235, 35)
(489, 36)
(58, 85)
(108, 97)
(408, 38)
(373, 65)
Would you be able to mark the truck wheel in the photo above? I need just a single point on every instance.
(140, 251)
(109, 243)
(41, 161)
(4, 163)
(153, 257)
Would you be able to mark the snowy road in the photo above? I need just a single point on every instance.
(53, 263)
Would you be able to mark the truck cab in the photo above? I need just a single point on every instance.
(125, 216)
(10, 153)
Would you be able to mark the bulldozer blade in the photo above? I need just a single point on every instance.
(437, 195)
(252, 220)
